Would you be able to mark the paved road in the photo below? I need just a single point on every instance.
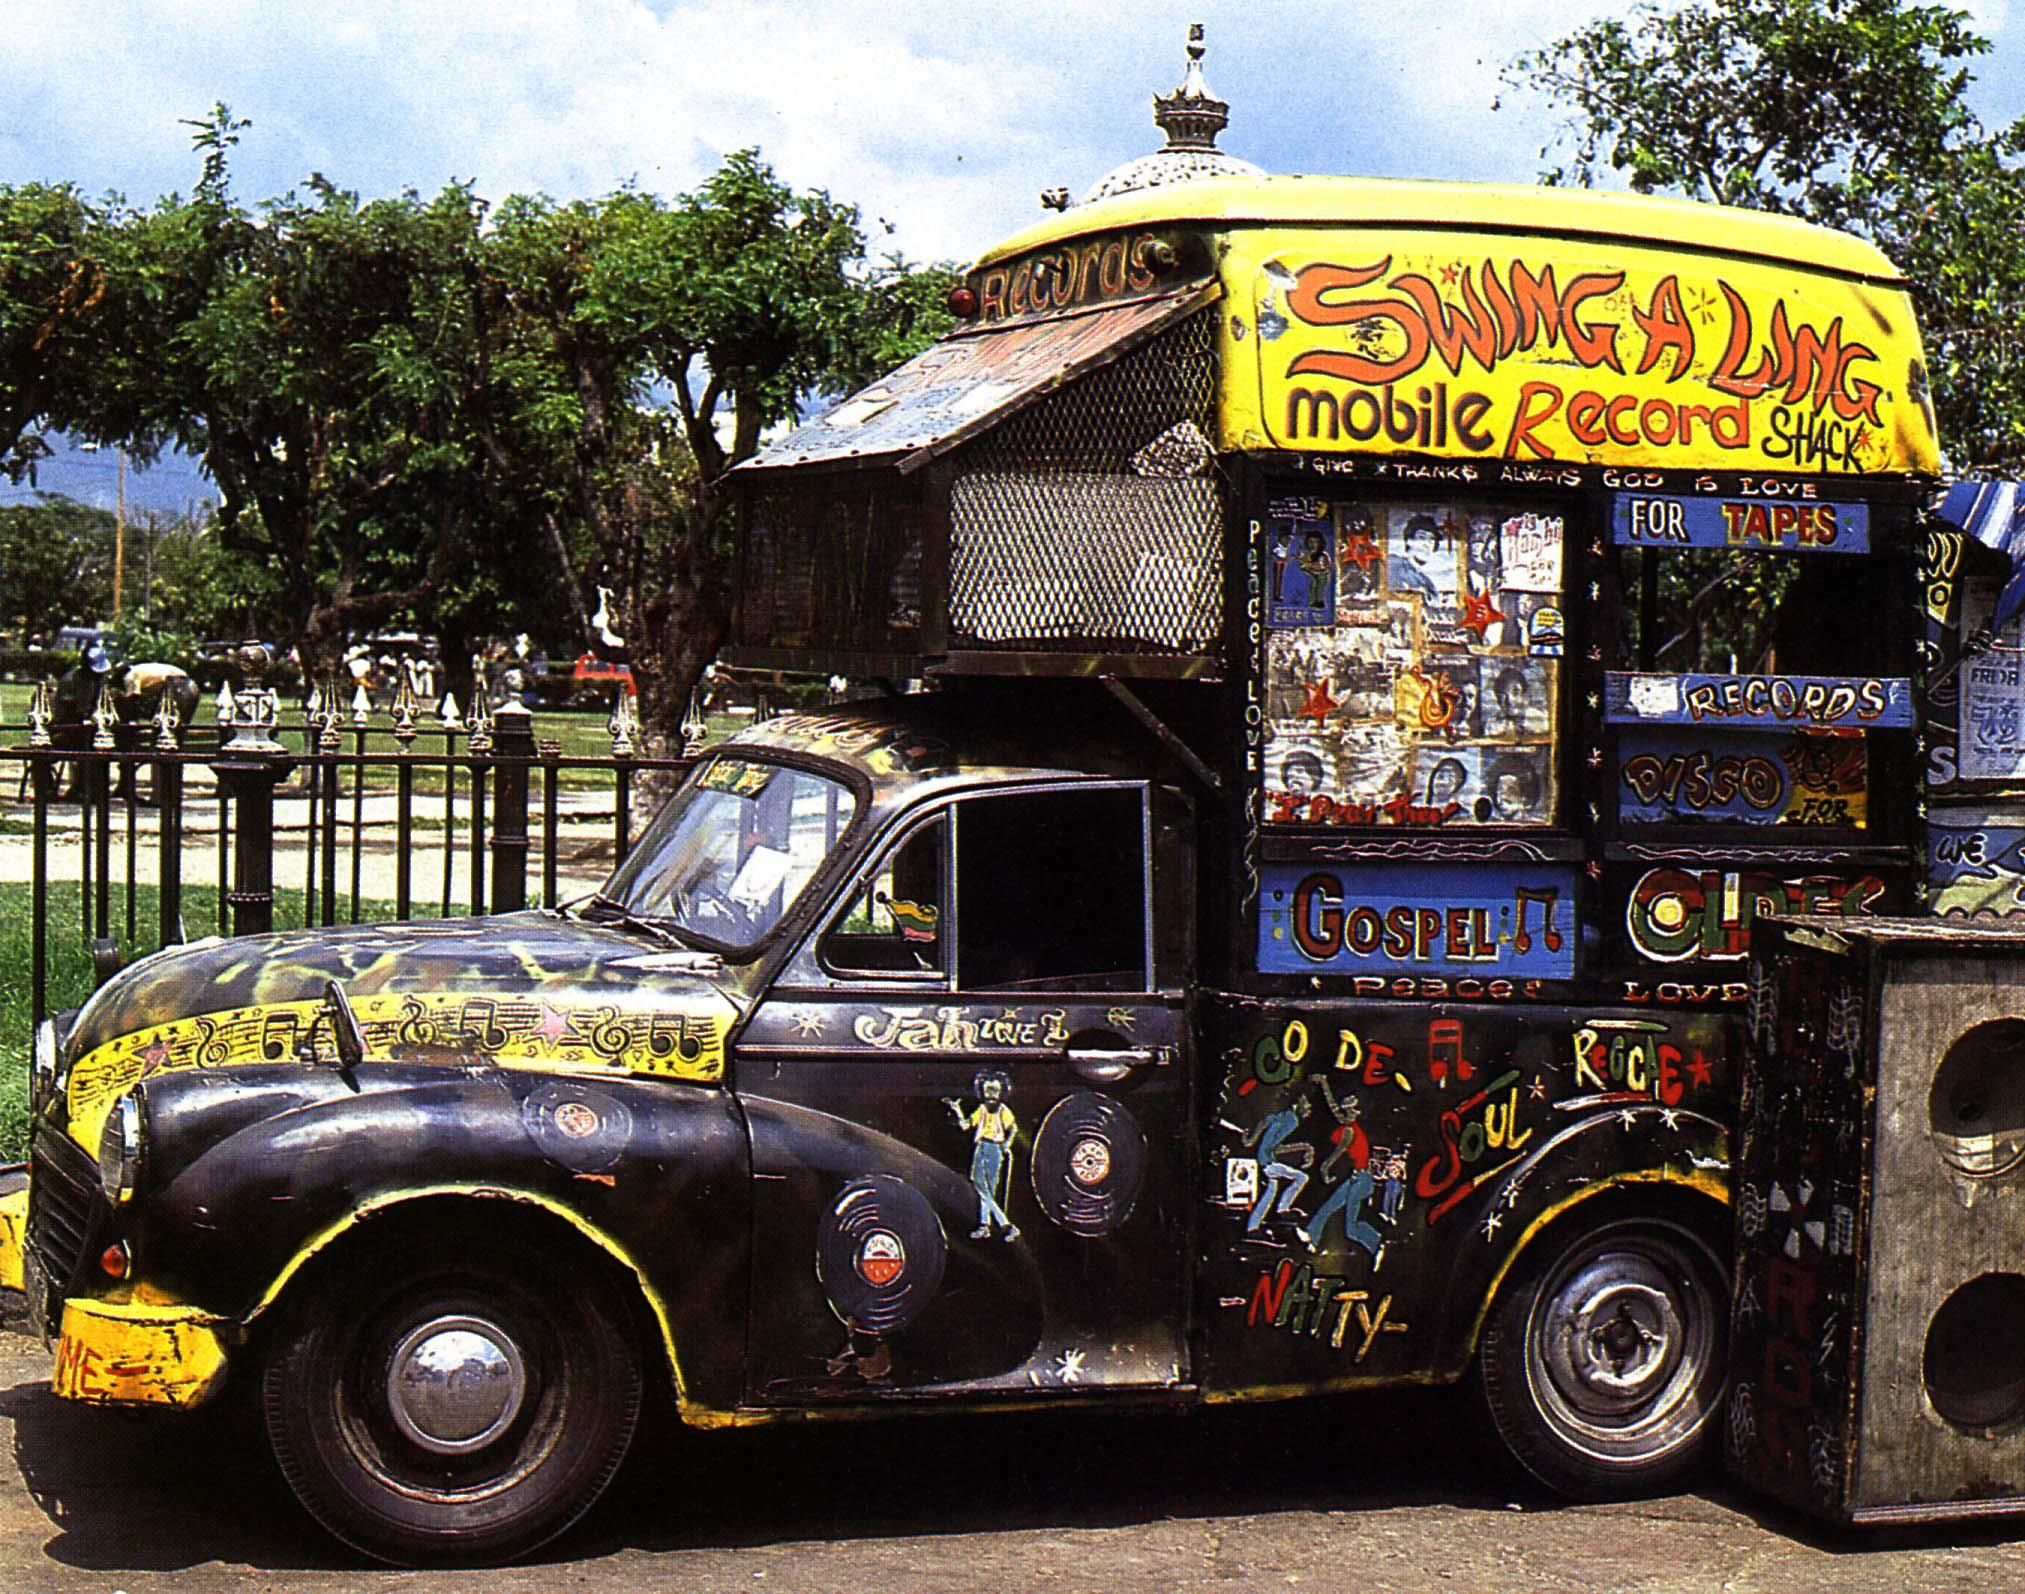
(1377, 1494)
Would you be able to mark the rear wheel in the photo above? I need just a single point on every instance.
(449, 1403)
(1603, 1358)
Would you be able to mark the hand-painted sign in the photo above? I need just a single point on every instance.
(1465, 346)
(1991, 741)
(1759, 702)
(1501, 919)
(1652, 520)
(1674, 915)
(1976, 864)
(1736, 778)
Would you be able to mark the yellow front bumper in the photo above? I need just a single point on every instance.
(131, 1353)
(13, 1236)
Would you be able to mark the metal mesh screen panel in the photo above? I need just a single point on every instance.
(833, 562)
(1093, 517)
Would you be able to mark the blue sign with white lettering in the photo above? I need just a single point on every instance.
(1664, 520)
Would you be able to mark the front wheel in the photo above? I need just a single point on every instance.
(451, 1403)
(1603, 1358)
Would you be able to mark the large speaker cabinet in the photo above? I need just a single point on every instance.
(1878, 1324)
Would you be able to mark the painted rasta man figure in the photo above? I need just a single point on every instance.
(993, 1125)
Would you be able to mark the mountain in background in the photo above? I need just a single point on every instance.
(173, 485)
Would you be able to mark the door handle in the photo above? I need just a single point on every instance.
(1106, 1065)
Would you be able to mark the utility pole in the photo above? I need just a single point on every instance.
(120, 537)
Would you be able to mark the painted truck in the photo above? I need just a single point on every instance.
(1381, 647)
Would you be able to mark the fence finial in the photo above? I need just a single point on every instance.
(105, 718)
(694, 726)
(330, 716)
(624, 724)
(41, 711)
(404, 704)
(167, 723)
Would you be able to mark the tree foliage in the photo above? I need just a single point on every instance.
(50, 287)
(58, 562)
(417, 410)
(1851, 113)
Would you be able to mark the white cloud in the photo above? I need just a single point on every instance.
(946, 120)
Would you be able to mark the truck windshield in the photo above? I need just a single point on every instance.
(726, 859)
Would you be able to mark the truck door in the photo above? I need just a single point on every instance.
(969, 1101)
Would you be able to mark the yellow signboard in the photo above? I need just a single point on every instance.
(1483, 346)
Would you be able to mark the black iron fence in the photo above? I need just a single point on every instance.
(348, 813)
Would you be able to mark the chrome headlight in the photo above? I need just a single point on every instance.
(121, 1147)
(42, 1069)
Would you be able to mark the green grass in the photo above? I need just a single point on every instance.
(70, 978)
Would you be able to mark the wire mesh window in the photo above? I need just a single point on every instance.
(1093, 517)
(833, 561)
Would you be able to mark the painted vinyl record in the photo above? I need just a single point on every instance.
(879, 1253)
(1089, 1161)
(577, 1125)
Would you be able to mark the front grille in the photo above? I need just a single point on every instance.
(67, 1212)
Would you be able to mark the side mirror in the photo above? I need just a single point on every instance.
(345, 1033)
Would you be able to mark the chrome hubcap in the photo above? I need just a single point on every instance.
(455, 1384)
(1622, 1341)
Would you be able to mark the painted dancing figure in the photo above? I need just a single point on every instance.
(1284, 1179)
(1351, 1143)
(992, 1124)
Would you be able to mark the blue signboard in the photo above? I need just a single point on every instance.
(1507, 921)
(1759, 702)
(1742, 778)
(1976, 863)
(1662, 520)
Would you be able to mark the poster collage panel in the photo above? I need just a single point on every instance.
(1413, 656)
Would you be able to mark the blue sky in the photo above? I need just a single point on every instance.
(942, 122)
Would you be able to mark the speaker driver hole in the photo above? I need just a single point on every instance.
(1975, 1356)
(1976, 1107)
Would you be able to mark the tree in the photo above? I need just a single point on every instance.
(56, 561)
(320, 357)
(50, 287)
(1851, 113)
(732, 305)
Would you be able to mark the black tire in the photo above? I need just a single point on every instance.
(427, 1478)
(1604, 1357)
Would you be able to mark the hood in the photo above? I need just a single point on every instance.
(523, 990)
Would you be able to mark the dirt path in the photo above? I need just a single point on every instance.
(1375, 1494)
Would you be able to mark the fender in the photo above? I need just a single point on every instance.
(656, 1173)
(394, 1201)
(1607, 1150)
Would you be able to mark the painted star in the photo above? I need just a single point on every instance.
(1669, 1117)
(1698, 1070)
(1595, 758)
(154, 1055)
(1491, 1221)
(1628, 1118)
(1538, 1089)
(555, 1027)
(1319, 704)
(1480, 613)
(1358, 549)
(1121, 1018)
(1450, 273)
(1069, 1366)
(810, 1023)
